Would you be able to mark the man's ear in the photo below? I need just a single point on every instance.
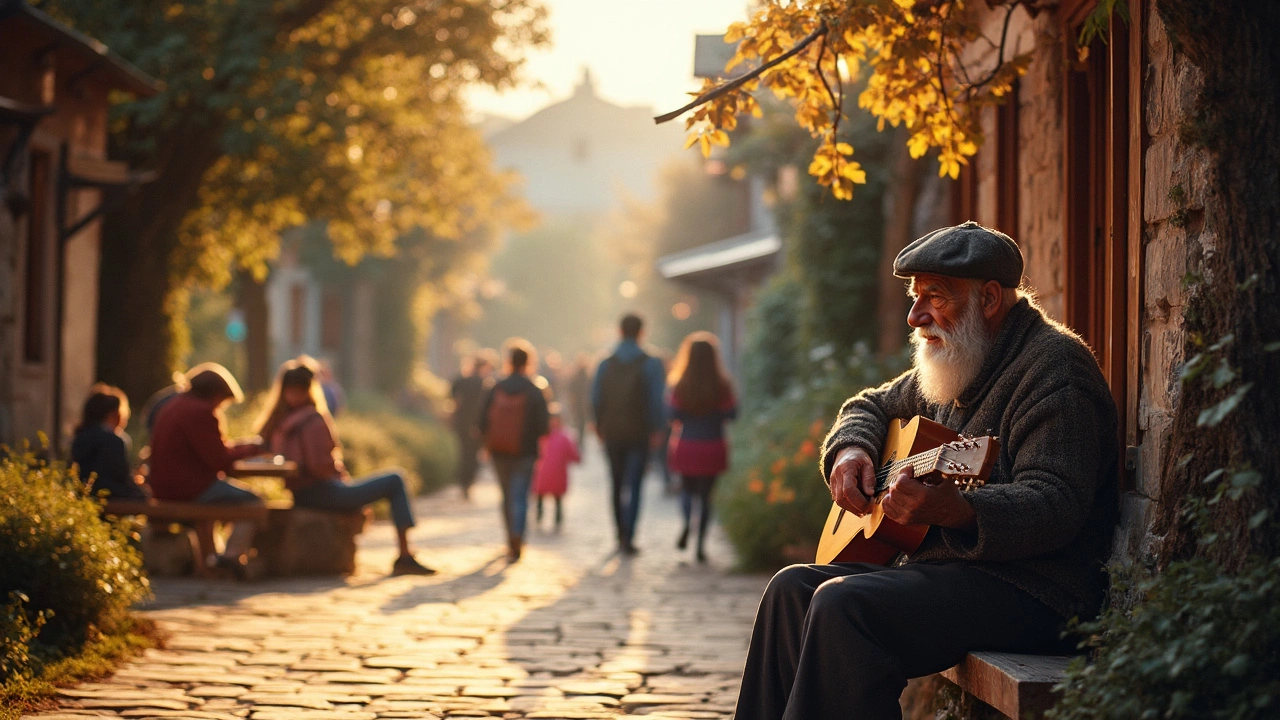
(992, 298)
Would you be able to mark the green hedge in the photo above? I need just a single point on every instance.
(1197, 643)
(66, 575)
(774, 501)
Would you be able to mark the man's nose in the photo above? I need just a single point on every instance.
(919, 316)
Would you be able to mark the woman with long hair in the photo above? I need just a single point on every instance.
(296, 424)
(700, 403)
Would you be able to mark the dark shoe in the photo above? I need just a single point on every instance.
(702, 556)
(683, 541)
(630, 550)
(514, 548)
(408, 566)
(234, 565)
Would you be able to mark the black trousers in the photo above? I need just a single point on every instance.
(838, 642)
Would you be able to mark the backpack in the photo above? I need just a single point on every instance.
(504, 426)
(624, 401)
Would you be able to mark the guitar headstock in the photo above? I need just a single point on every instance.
(968, 460)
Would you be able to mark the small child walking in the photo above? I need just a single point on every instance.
(551, 476)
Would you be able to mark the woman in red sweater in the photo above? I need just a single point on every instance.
(700, 404)
(298, 426)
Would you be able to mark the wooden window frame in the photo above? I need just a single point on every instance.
(1103, 144)
(36, 284)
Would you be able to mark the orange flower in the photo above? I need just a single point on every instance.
(755, 485)
(808, 448)
(817, 427)
(779, 466)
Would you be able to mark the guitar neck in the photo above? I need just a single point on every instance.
(920, 463)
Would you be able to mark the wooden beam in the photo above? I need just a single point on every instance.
(1019, 686)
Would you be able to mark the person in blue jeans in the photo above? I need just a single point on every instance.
(627, 397)
(298, 426)
(512, 419)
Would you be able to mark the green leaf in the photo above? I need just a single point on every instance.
(1212, 416)
(1222, 375)
(1256, 519)
(1271, 347)
(1237, 666)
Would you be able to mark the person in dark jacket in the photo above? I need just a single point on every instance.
(468, 392)
(627, 398)
(514, 416)
(100, 449)
(700, 403)
(1003, 567)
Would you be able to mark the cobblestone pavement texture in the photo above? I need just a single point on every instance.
(571, 631)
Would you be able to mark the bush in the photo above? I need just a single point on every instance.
(1197, 644)
(66, 575)
(774, 499)
(422, 446)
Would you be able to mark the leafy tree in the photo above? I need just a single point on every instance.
(277, 111)
(917, 76)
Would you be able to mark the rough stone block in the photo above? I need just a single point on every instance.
(300, 541)
(169, 550)
(1133, 538)
(1164, 266)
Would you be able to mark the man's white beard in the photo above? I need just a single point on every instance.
(945, 371)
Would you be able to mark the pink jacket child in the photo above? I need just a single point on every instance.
(556, 451)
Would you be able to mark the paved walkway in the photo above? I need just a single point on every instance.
(571, 631)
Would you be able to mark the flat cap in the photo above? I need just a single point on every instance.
(964, 251)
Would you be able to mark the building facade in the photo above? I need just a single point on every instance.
(1085, 169)
(54, 87)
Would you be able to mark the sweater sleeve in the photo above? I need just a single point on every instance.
(864, 418)
(205, 438)
(1056, 473)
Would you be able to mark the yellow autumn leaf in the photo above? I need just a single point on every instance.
(693, 138)
(705, 145)
(844, 148)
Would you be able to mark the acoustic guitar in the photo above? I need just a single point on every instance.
(937, 455)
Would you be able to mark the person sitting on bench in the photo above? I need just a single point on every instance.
(1002, 567)
(190, 456)
(298, 426)
(100, 448)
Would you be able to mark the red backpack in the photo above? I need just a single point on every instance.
(504, 423)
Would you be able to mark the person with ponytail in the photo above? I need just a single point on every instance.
(700, 403)
(297, 425)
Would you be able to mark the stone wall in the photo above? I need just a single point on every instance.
(1176, 184)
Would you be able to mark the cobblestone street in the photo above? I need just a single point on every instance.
(571, 631)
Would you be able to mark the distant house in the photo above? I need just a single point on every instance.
(584, 154)
(732, 267)
(55, 178)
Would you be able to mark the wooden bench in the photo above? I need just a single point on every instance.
(200, 516)
(289, 541)
(1018, 686)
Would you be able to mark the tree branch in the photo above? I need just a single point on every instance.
(738, 82)
(1004, 37)
(835, 116)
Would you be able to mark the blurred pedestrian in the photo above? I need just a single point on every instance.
(191, 455)
(297, 425)
(700, 404)
(334, 396)
(627, 397)
(468, 391)
(512, 419)
(100, 448)
(578, 396)
(551, 474)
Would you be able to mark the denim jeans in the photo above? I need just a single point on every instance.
(515, 474)
(336, 496)
(232, 492)
(626, 470)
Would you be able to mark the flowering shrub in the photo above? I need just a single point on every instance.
(774, 501)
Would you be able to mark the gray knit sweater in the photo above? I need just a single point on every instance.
(1046, 515)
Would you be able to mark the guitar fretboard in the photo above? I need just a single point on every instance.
(920, 463)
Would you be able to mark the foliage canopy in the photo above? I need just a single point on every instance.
(925, 66)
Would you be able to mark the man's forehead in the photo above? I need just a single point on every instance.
(928, 283)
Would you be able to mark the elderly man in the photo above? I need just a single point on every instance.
(1004, 566)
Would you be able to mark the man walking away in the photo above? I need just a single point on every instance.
(513, 418)
(468, 393)
(627, 397)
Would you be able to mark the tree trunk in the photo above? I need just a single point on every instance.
(252, 299)
(137, 345)
(1238, 120)
(899, 210)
